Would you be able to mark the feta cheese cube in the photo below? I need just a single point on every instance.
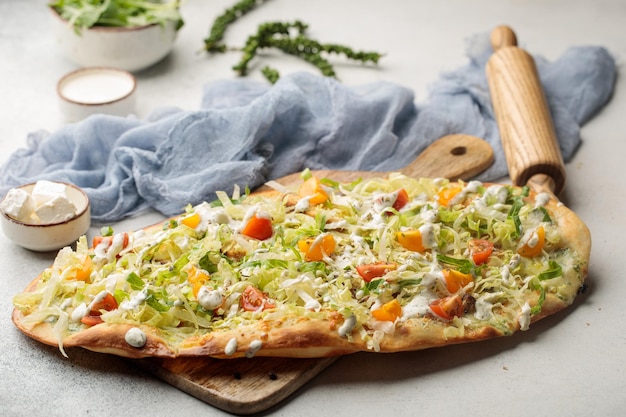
(44, 191)
(56, 210)
(18, 204)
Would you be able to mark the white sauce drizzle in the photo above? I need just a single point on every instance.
(471, 187)
(231, 347)
(347, 326)
(524, 318)
(429, 216)
(418, 306)
(254, 347)
(484, 305)
(530, 239)
(262, 214)
(506, 274)
(341, 224)
(429, 240)
(251, 212)
(515, 260)
(97, 299)
(117, 244)
(65, 304)
(542, 199)
(431, 277)
(112, 281)
(498, 192)
(136, 337)
(210, 299)
(79, 312)
(135, 301)
(483, 309)
(384, 201)
(100, 251)
(303, 204)
(310, 303)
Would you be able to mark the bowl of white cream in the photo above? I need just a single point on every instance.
(45, 215)
(104, 90)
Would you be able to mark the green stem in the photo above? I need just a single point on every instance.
(213, 43)
(277, 35)
(270, 74)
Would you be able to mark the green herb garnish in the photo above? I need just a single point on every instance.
(463, 265)
(288, 37)
(106, 231)
(554, 270)
(213, 43)
(135, 281)
(536, 285)
(84, 14)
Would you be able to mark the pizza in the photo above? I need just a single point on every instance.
(316, 269)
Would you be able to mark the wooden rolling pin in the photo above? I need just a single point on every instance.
(526, 129)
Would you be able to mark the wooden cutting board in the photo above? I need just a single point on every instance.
(248, 386)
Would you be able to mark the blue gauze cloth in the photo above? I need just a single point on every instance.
(247, 132)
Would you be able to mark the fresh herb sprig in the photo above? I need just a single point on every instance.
(213, 43)
(278, 35)
(288, 37)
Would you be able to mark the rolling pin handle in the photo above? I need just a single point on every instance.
(501, 37)
(528, 137)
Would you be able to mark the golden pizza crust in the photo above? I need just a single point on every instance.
(306, 338)
(576, 236)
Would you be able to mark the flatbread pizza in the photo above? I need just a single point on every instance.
(318, 269)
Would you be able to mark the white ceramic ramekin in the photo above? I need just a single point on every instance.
(130, 49)
(87, 91)
(48, 237)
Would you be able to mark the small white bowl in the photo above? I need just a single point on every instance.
(48, 237)
(87, 91)
(131, 49)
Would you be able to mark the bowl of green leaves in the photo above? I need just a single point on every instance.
(127, 34)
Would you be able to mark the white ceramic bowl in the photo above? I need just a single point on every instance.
(48, 237)
(96, 90)
(130, 49)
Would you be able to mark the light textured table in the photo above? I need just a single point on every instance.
(573, 364)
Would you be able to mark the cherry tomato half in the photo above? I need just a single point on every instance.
(401, 199)
(258, 227)
(253, 299)
(107, 303)
(480, 250)
(109, 239)
(370, 271)
(448, 308)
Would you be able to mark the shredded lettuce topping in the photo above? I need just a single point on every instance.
(193, 275)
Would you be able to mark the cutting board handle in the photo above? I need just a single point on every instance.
(526, 129)
(456, 156)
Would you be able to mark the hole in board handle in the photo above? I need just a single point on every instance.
(459, 150)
